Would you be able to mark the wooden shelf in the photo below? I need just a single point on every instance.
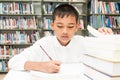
(107, 14)
(75, 2)
(16, 44)
(20, 15)
(20, 0)
(20, 29)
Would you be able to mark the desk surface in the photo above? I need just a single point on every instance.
(26, 75)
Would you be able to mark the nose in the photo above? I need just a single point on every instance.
(65, 30)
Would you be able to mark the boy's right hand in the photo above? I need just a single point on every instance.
(50, 66)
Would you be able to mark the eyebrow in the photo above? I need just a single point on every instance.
(62, 23)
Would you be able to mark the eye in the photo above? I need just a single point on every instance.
(60, 26)
(70, 26)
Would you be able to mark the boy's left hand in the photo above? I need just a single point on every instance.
(105, 30)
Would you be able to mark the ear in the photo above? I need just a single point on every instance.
(52, 25)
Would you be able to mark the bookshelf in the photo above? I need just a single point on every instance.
(105, 13)
(19, 27)
(47, 7)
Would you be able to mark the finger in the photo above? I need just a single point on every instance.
(57, 69)
(101, 30)
(105, 30)
(110, 31)
(57, 63)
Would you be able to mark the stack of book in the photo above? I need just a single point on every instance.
(102, 58)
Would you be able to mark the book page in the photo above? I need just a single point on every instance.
(66, 71)
(94, 32)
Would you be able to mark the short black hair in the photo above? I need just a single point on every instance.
(65, 10)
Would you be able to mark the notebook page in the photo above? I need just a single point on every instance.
(66, 71)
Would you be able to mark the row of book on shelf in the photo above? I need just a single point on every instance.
(97, 21)
(7, 52)
(16, 8)
(49, 7)
(98, 6)
(19, 37)
(3, 66)
(18, 22)
(65, 0)
(22, 7)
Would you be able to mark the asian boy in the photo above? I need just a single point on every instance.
(48, 53)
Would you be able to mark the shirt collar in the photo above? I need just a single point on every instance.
(59, 45)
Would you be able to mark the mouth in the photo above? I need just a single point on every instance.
(64, 38)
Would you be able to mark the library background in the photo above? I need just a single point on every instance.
(22, 22)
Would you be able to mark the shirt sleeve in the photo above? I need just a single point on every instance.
(31, 53)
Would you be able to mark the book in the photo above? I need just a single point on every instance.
(94, 74)
(79, 8)
(107, 55)
(104, 43)
(106, 47)
(109, 67)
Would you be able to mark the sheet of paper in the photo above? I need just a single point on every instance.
(94, 32)
(66, 71)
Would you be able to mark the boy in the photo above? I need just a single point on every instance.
(48, 53)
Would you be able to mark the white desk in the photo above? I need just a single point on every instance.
(26, 75)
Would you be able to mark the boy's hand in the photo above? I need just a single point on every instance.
(105, 30)
(50, 66)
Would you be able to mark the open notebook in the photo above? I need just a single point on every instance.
(67, 71)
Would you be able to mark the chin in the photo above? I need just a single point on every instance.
(66, 42)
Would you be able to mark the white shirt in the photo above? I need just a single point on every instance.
(66, 54)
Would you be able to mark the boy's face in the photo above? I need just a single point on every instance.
(64, 28)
